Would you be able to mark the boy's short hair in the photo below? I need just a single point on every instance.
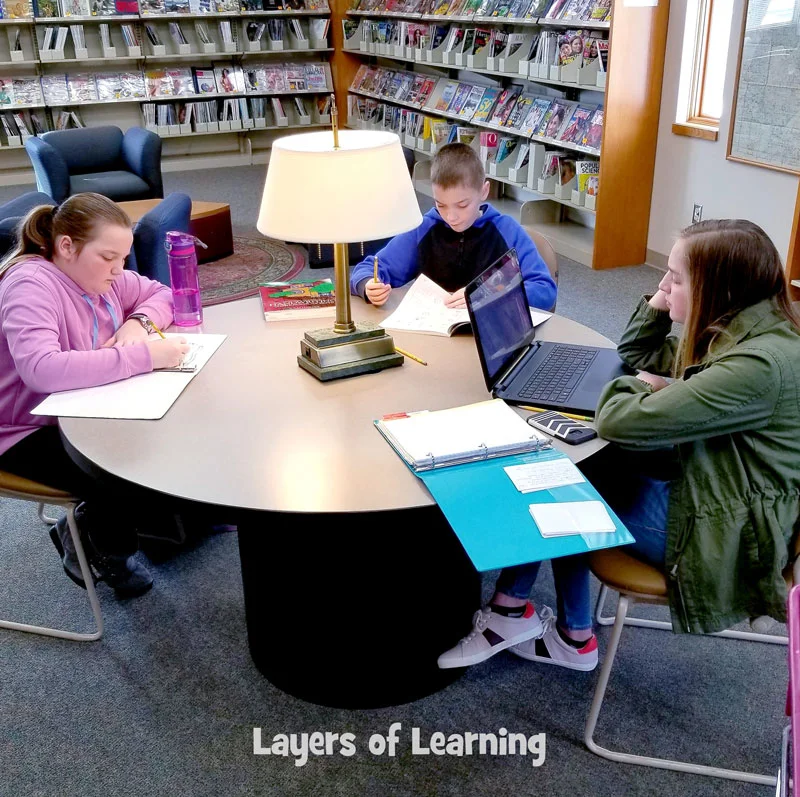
(457, 164)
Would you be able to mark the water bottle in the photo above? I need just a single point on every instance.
(183, 276)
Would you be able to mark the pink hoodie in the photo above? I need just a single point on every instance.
(47, 328)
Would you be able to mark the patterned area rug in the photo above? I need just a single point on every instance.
(254, 260)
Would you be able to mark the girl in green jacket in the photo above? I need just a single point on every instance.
(706, 473)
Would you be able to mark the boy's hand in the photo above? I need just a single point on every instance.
(456, 300)
(129, 333)
(168, 353)
(377, 292)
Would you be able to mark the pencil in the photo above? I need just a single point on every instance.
(375, 264)
(161, 334)
(565, 414)
(410, 356)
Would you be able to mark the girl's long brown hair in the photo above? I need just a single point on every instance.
(77, 216)
(731, 265)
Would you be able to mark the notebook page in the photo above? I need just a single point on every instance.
(142, 397)
(571, 517)
(545, 475)
(462, 429)
(423, 310)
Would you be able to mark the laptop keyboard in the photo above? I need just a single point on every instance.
(557, 375)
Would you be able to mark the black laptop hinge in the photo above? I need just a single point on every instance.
(531, 350)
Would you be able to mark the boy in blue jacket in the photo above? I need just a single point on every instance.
(459, 238)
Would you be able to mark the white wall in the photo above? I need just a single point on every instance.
(690, 170)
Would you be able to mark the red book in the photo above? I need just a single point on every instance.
(293, 300)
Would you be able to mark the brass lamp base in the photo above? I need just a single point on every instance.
(327, 354)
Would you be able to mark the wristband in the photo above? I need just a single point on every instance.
(144, 321)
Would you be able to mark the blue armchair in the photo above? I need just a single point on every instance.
(12, 213)
(148, 255)
(100, 159)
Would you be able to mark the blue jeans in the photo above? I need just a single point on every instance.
(642, 507)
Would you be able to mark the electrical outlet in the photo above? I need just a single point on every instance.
(697, 214)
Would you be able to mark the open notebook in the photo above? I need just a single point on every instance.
(142, 397)
(427, 440)
(423, 310)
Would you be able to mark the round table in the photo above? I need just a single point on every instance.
(343, 550)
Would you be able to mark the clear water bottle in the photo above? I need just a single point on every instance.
(183, 276)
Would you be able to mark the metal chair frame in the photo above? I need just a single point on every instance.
(621, 619)
(69, 503)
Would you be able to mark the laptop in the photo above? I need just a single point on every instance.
(520, 369)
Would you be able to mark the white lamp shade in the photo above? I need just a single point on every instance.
(317, 194)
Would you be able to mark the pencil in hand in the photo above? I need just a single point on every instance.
(375, 268)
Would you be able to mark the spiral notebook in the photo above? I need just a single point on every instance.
(488, 429)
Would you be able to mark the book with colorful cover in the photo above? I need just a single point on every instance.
(204, 80)
(289, 301)
(460, 98)
(555, 118)
(473, 101)
(425, 92)
(521, 110)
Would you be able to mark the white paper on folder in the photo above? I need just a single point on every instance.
(142, 397)
(545, 475)
(572, 517)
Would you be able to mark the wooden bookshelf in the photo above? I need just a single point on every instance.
(616, 234)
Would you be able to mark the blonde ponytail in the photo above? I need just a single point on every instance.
(77, 217)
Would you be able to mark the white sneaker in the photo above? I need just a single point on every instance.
(491, 633)
(550, 648)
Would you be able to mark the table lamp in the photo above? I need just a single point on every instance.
(340, 187)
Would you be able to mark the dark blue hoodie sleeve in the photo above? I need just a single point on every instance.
(398, 261)
(539, 285)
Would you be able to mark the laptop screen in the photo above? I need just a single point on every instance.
(501, 319)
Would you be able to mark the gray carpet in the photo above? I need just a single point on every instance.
(166, 703)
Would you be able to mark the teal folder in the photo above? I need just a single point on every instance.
(493, 522)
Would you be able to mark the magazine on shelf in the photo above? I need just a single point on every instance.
(46, 8)
(556, 118)
(176, 7)
(274, 78)
(505, 104)
(459, 98)
(229, 79)
(486, 104)
(26, 91)
(594, 131)
(593, 185)
(151, 7)
(488, 145)
(182, 82)
(54, 88)
(75, 8)
(448, 92)
(570, 47)
(566, 169)
(505, 147)
(521, 110)
(82, 88)
(472, 102)
(204, 81)
(578, 124)
(158, 83)
(538, 110)
(584, 170)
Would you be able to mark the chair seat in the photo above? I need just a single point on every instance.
(120, 186)
(627, 574)
(16, 484)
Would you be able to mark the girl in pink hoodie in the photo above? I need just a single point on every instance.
(71, 316)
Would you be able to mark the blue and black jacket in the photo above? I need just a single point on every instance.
(452, 259)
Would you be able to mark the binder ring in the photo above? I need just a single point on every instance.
(485, 450)
(433, 459)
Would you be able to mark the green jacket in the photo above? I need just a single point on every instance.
(734, 421)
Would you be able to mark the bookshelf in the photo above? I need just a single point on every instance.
(612, 230)
(248, 40)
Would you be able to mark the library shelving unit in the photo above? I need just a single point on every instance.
(614, 231)
(121, 44)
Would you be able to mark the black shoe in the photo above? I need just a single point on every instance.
(128, 577)
(62, 539)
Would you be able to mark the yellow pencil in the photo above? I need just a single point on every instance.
(565, 414)
(375, 263)
(410, 356)
(163, 336)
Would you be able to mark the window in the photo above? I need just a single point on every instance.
(705, 56)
